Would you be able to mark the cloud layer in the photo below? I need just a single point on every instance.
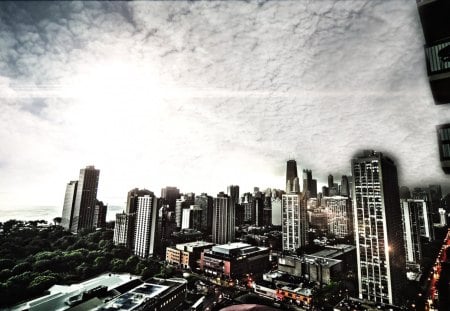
(205, 94)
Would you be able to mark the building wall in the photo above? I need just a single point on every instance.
(145, 226)
(294, 222)
(69, 201)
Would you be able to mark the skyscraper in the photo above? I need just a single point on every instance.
(309, 184)
(435, 16)
(294, 220)
(345, 189)
(169, 196)
(411, 229)
(146, 223)
(132, 199)
(233, 192)
(223, 230)
(206, 203)
(100, 214)
(340, 220)
(85, 199)
(291, 172)
(69, 203)
(378, 228)
(124, 230)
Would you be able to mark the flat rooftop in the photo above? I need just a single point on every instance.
(191, 245)
(60, 294)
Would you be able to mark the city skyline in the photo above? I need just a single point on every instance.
(184, 94)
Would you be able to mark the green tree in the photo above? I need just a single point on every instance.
(42, 283)
(21, 268)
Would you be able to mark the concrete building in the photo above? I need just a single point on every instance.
(294, 221)
(146, 222)
(340, 220)
(187, 255)
(223, 230)
(378, 229)
(124, 230)
(192, 218)
(85, 200)
(234, 260)
(276, 211)
(69, 202)
(100, 214)
(411, 231)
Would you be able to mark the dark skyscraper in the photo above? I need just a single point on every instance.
(169, 196)
(309, 184)
(443, 136)
(378, 229)
(100, 214)
(345, 189)
(132, 199)
(85, 200)
(223, 230)
(435, 17)
(291, 174)
(330, 181)
(69, 203)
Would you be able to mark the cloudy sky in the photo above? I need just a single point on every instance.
(204, 94)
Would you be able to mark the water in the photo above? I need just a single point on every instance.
(46, 213)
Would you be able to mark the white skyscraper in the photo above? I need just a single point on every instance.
(411, 230)
(145, 226)
(294, 221)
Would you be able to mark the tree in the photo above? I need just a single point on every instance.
(42, 283)
(118, 265)
(57, 221)
(21, 268)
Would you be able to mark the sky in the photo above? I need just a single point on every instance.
(201, 95)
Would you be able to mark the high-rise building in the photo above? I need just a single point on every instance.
(69, 203)
(378, 229)
(192, 218)
(411, 230)
(223, 230)
(330, 181)
(345, 189)
(124, 230)
(443, 136)
(100, 214)
(294, 219)
(340, 220)
(267, 214)
(233, 193)
(185, 201)
(206, 203)
(309, 184)
(435, 16)
(132, 199)
(424, 213)
(276, 211)
(85, 199)
(146, 223)
(291, 173)
(169, 196)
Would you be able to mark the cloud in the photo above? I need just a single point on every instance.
(205, 94)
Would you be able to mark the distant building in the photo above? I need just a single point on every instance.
(187, 255)
(85, 200)
(411, 229)
(294, 221)
(124, 230)
(309, 184)
(340, 220)
(185, 201)
(291, 174)
(100, 214)
(206, 204)
(146, 222)
(345, 188)
(69, 203)
(132, 199)
(443, 217)
(192, 218)
(378, 229)
(276, 211)
(223, 230)
(169, 196)
(234, 260)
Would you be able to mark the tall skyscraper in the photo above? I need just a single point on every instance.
(309, 184)
(185, 201)
(132, 199)
(85, 199)
(294, 220)
(291, 173)
(223, 230)
(69, 203)
(435, 17)
(146, 223)
(233, 192)
(424, 212)
(411, 230)
(378, 228)
(330, 181)
(100, 214)
(345, 189)
(206, 203)
(169, 196)
(124, 230)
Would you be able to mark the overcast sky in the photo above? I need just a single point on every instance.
(201, 95)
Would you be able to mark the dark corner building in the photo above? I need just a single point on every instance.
(443, 136)
(378, 229)
(435, 19)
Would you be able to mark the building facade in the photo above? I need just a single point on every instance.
(223, 230)
(146, 223)
(69, 202)
(378, 229)
(85, 200)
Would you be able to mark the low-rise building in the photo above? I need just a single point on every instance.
(187, 255)
(234, 260)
